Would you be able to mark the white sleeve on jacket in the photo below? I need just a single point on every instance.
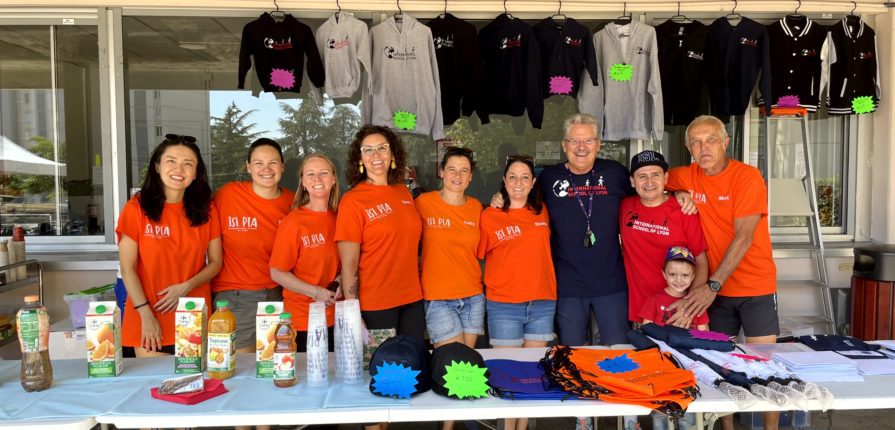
(654, 87)
(879, 89)
(437, 123)
(825, 54)
(590, 96)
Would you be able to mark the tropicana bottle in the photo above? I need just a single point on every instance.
(33, 326)
(222, 342)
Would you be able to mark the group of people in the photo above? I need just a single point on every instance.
(584, 238)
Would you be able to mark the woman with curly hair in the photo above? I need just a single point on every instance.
(169, 244)
(378, 232)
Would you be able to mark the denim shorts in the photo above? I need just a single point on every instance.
(510, 324)
(447, 319)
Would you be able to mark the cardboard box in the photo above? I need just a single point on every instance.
(190, 320)
(103, 344)
(266, 321)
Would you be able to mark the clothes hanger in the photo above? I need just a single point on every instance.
(625, 18)
(277, 15)
(443, 14)
(505, 12)
(680, 18)
(851, 18)
(796, 13)
(339, 12)
(559, 17)
(399, 17)
(733, 15)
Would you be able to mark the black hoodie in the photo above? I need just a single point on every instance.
(512, 70)
(279, 49)
(459, 66)
(566, 49)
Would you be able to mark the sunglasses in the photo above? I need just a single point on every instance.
(180, 138)
(520, 157)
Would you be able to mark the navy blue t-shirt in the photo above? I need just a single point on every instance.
(599, 270)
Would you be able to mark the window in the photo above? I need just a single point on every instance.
(51, 180)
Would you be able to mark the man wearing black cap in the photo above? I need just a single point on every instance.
(650, 223)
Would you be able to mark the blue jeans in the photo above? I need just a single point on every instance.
(511, 324)
(660, 421)
(447, 319)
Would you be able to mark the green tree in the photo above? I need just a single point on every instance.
(304, 128)
(231, 135)
(38, 184)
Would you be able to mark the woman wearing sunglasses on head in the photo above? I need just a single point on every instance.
(168, 244)
(378, 232)
(250, 212)
(519, 278)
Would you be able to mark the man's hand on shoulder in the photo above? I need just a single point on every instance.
(688, 206)
(497, 201)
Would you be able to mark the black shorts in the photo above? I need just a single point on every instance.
(409, 319)
(757, 315)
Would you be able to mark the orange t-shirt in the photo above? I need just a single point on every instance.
(450, 269)
(736, 192)
(248, 226)
(384, 221)
(305, 247)
(169, 252)
(516, 248)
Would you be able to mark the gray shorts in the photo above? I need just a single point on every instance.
(244, 305)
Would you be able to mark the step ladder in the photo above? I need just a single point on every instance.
(797, 197)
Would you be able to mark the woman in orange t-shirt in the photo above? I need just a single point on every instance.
(378, 232)
(305, 258)
(519, 278)
(451, 276)
(249, 215)
(165, 234)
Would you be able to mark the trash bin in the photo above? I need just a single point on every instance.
(873, 289)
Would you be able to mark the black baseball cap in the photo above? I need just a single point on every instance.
(648, 158)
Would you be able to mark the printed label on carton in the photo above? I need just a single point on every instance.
(266, 321)
(221, 353)
(189, 335)
(284, 366)
(103, 332)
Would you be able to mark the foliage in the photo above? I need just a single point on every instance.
(230, 137)
(36, 184)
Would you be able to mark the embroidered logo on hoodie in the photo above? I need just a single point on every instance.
(338, 44)
(573, 42)
(511, 42)
(642, 51)
(695, 55)
(749, 42)
(392, 53)
(278, 45)
(446, 41)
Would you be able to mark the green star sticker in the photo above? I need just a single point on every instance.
(621, 72)
(464, 380)
(404, 120)
(863, 104)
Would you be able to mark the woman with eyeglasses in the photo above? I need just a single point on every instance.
(305, 258)
(169, 244)
(378, 233)
(250, 212)
(451, 275)
(519, 277)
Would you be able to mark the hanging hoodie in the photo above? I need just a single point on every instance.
(406, 93)
(567, 49)
(279, 49)
(682, 66)
(628, 103)
(344, 42)
(459, 66)
(512, 70)
(734, 56)
(799, 55)
(854, 71)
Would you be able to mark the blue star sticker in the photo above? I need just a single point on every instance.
(395, 380)
(620, 364)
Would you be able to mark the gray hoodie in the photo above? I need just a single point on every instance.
(344, 45)
(626, 109)
(405, 87)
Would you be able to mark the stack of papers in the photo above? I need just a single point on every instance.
(819, 366)
(881, 366)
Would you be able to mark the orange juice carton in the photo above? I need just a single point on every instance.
(189, 335)
(266, 322)
(103, 332)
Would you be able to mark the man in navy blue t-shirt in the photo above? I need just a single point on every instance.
(583, 197)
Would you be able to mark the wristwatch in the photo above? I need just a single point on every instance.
(715, 286)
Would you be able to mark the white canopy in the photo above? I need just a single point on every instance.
(15, 159)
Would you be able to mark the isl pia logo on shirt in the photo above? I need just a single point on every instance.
(154, 231)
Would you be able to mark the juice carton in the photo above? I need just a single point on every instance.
(266, 322)
(103, 330)
(189, 335)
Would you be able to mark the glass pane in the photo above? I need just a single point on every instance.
(50, 173)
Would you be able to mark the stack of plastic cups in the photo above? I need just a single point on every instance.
(349, 342)
(317, 352)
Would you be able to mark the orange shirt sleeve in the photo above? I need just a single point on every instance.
(130, 221)
(349, 222)
(485, 238)
(677, 179)
(286, 245)
(752, 196)
(214, 224)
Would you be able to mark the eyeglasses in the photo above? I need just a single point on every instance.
(180, 138)
(520, 157)
(588, 141)
(381, 150)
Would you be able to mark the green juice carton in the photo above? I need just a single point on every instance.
(266, 321)
(103, 332)
(190, 320)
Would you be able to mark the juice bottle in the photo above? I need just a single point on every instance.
(284, 353)
(222, 342)
(33, 326)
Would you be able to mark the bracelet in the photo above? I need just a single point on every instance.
(140, 306)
